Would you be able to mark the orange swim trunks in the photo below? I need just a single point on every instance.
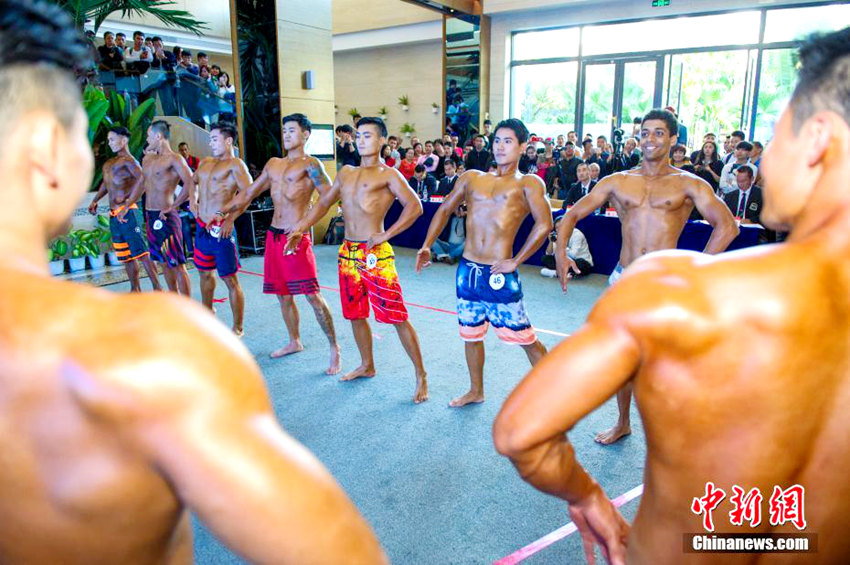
(369, 276)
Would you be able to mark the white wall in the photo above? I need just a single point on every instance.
(581, 12)
(370, 78)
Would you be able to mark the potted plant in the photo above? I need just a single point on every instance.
(353, 112)
(435, 107)
(408, 129)
(382, 111)
(56, 254)
(79, 250)
(405, 102)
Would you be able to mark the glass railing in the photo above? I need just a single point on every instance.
(177, 93)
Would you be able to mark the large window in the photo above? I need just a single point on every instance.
(713, 76)
(544, 97)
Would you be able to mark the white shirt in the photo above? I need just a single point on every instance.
(728, 177)
(578, 248)
(131, 55)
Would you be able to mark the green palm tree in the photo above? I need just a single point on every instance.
(98, 10)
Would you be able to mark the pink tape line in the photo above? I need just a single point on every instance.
(560, 533)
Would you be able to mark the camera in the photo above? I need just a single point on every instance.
(617, 140)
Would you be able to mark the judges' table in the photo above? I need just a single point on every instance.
(602, 232)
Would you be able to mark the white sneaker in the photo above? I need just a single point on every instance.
(549, 273)
(443, 258)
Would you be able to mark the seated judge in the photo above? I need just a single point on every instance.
(746, 201)
(447, 183)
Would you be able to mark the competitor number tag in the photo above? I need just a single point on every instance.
(157, 225)
(371, 261)
(497, 281)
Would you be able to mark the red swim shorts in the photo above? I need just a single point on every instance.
(289, 274)
(369, 276)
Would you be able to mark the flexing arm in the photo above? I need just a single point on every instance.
(215, 439)
(441, 218)
(408, 199)
(583, 208)
(535, 195)
(571, 381)
(715, 213)
(135, 193)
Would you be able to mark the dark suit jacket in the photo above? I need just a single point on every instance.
(754, 203)
(575, 193)
(446, 186)
(478, 161)
(425, 188)
(566, 171)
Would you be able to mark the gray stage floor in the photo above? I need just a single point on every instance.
(426, 477)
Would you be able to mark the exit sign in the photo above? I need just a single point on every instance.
(660, 3)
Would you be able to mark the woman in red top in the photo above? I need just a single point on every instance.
(408, 165)
(386, 155)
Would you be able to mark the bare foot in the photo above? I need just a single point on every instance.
(239, 332)
(361, 371)
(610, 436)
(293, 347)
(421, 394)
(468, 398)
(335, 366)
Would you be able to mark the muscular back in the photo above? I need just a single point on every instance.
(496, 208)
(366, 197)
(217, 184)
(759, 402)
(653, 210)
(72, 488)
(291, 189)
(119, 175)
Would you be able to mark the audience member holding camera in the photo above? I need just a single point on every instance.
(577, 250)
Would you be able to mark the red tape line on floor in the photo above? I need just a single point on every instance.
(561, 533)
(424, 307)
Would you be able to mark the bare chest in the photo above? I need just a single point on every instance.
(660, 195)
(159, 170)
(496, 200)
(366, 191)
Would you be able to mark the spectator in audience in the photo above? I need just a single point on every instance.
(452, 91)
(215, 71)
(595, 171)
(442, 155)
(528, 162)
(393, 141)
(588, 151)
(186, 63)
(492, 167)
(565, 174)
(448, 246)
(680, 160)
(546, 161)
(447, 183)
(707, 137)
(111, 56)
(631, 152)
(636, 124)
(177, 51)
(386, 156)
(203, 59)
(572, 137)
(708, 165)
(682, 135)
(225, 88)
(581, 187)
(138, 57)
(735, 138)
(728, 178)
(162, 60)
(745, 201)
(346, 152)
(191, 160)
(559, 146)
(456, 148)
(489, 136)
(428, 159)
(408, 165)
(479, 158)
(461, 168)
(149, 43)
(755, 154)
(121, 41)
(577, 249)
(422, 183)
(354, 119)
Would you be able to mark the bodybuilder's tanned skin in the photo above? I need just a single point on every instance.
(496, 207)
(162, 170)
(367, 192)
(291, 181)
(120, 175)
(118, 413)
(741, 369)
(653, 204)
(218, 179)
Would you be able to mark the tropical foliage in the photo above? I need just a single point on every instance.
(97, 11)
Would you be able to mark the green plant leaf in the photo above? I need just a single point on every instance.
(143, 113)
(96, 112)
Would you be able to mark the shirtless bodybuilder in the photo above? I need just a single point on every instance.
(653, 204)
(488, 285)
(120, 175)
(740, 363)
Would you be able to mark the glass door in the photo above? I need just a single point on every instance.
(614, 92)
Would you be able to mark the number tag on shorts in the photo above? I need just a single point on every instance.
(157, 225)
(497, 281)
(371, 261)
